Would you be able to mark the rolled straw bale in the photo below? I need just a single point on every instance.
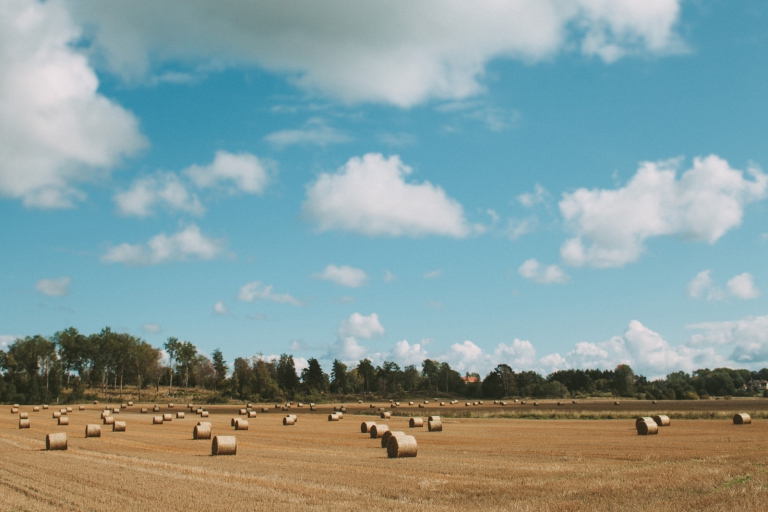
(335, 408)
(118, 426)
(23, 415)
(56, 441)
(312, 408)
(641, 419)
(502, 403)
(144, 410)
(284, 408)
(386, 415)
(109, 420)
(116, 410)
(535, 404)
(180, 415)
(662, 420)
(301, 404)
(241, 424)
(343, 409)
(480, 402)
(249, 406)
(199, 410)
(95, 402)
(36, 408)
(467, 404)
(387, 435)
(123, 406)
(574, 402)
(93, 430)
(277, 406)
(63, 410)
(202, 431)
(474, 403)
(434, 418)
(365, 426)
(442, 404)
(45, 406)
(204, 423)
(167, 417)
(242, 412)
(171, 406)
(130, 404)
(81, 408)
(333, 417)
(288, 420)
(435, 426)
(251, 414)
(312, 404)
(377, 431)
(742, 418)
(190, 406)
(156, 408)
(401, 446)
(426, 401)
(291, 402)
(264, 409)
(616, 403)
(69, 409)
(372, 406)
(495, 402)
(56, 414)
(295, 418)
(397, 404)
(64, 420)
(647, 428)
(522, 402)
(381, 409)
(204, 414)
(559, 403)
(232, 421)
(653, 402)
(416, 422)
(224, 445)
(157, 420)
(421, 406)
(410, 403)
(340, 415)
(24, 423)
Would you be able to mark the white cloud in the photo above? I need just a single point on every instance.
(401, 54)
(743, 287)
(360, 326)
(545, 274)
(520, 354)
(467, 357)
(151, 328)
(553, 362)
(315, 132)
(56, 130)
(220, 308)
(258, 291)
(748, 338)
(242, 172)
(6, 339)
(54, 287)
(164, 188)
(369, 195)
(531, 199)
(495, 119)
(180, 246)
(433, 274)
(611, 226)
(389, 276)
(405, 354)
(519, 227)
(343, 275)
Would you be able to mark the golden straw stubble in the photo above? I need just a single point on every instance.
(56, 441)
(224, 445)
(400, 446)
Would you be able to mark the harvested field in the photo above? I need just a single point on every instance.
(475, 463)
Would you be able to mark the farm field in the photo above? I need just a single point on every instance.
(475, 463)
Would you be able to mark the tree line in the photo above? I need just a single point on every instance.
(75, 366)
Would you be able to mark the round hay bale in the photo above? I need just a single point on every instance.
(616, 403)
(300, 404)
(654, 402)
(23, 415)
(81, 408)
(198, 410)
(63, 410)
(288, 420)
(495, 402)
(64, 420)
(264, 409)
(249, 406)
(116, 410)
(45, 406)
(340, 415)
(426, 401)
(434, 418)
(435, 426)
(180, 415)
(559, 403)
(35, 408)
(402, 446)
(312, 408)
(93, 430)
(95, 402)
(742, 418)
(56, 414)
(123, 406)
(109, 420)
(647, 428)
(467, 404)
(502, 403)
(118, 426)
(535, 404)
(251, 414)
(232, 421)
(69, 409)
(421, 406)
(157, 420)
(333, 417)
(365, 426)
(242, 412)
(574, 402)
(335, 408)
(372, 406)
(521, 402)
(224, 445)
(190, 406)
(295, 418)
(410, 403)
(480, 402)
(387, 435)
(14, 410)
(24, 423)
(397, 404)
(130, 404)
(167, 417)
(474, 403)
(156, 408)
(662, 420)
(343, 408)
(202, 431)
(381, 409)
(416, 422)
(171, 406)
(386, 415)
(641, 419)
(241, 424)
(377, 431)
(312, 404)
(16, 405)
(204, 414)
(144, 410)
(56, 441)
(442, 404)
(277, 406)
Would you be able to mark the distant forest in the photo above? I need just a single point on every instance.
(70, 366)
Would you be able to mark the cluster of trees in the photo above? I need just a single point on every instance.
(39, 369)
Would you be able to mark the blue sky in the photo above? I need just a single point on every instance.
(549, 185)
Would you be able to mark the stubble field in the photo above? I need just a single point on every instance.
(475, 463)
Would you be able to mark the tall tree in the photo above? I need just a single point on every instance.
(339, 377)
(313, 375)
(219, 367)
(286, 373)
(187, 355)
(367, 372)
(172, 347)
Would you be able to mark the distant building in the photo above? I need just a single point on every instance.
(470, 380)
(758, 384)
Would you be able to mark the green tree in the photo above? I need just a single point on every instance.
(187, 357)
(313, 375)
(286, 373)
(367, 372)
(172, 347)
(220, 368)
(430, 370)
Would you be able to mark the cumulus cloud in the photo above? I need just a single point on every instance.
(256, 290)
(315, 132)
(56, 130)
(531, 199)
(466, 357)
(369, 195)
(7, 339)
(361, 326)
(343, 276)
(242, 172)
(164, 189)
(519, 227)
(406, 354)
(545, 274)
(54, 287)
(518, 354)
(746, 338)
(611, 226)
(220, 308)
(741, 286)
(185, 244)
(402, 55)
(151, 328)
